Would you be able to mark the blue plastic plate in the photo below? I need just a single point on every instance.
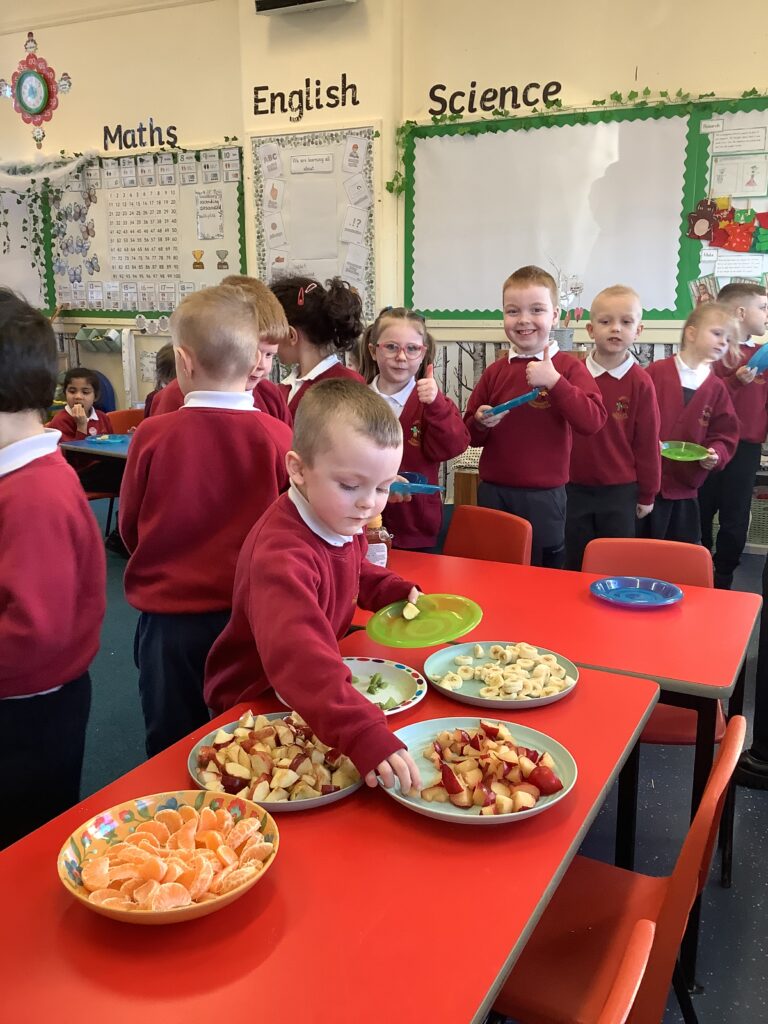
(636, 591)
(514, 402)
(398, 487)
(110, 439)
(759, 359)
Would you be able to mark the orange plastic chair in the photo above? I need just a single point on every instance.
(630, 974)
(121, 420)
(487, 533)
(568, 967)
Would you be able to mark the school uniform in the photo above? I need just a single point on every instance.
(294, 387)
(694, 406)
(52, 602)
(619, 467)
(266, 396)
(730, 493)
(525, 462)
(194, 485)
(94, 474)
(296, 588)
(432, 434)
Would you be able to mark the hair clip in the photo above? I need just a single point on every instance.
(305, 291)
(300, 299)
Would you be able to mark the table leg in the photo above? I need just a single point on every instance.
(626, 813)
(735, 707)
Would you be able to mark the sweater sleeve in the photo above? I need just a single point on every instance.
(67, 425)
(723, 430)
(380, 587)
(444, 435)
(132, 489)
(481, 395)
(302, 662)
(577, 398)
(645, 443)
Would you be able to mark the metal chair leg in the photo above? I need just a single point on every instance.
(683, 995)
(109, 517)
(726, 836)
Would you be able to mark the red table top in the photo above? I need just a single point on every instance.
(696, 646)
(371, 912)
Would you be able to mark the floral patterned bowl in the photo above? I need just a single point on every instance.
(96, 837)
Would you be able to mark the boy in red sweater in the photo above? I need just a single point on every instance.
(694, 406)
(301, 572)
(52, 584)
(526, 452)
(194, 485)
(616, 474)
(730, 493)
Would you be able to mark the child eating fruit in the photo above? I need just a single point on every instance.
(301, 570)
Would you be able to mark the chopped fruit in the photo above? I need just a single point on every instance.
(410, 610)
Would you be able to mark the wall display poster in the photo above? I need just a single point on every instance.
(139, 233)
(21, 272)
(313, 203)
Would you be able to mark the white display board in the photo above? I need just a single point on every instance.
(19, 270)
(138, 233)
(313, 202)
(602, 201)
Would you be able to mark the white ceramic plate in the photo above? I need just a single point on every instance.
(274, 807)
(440, 662)
(419, 735)
(403, 684)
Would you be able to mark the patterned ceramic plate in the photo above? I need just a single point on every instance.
(402, 686)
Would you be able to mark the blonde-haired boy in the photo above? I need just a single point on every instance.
(273, 328)
(301, 571)
(615, 474)
(526, 451)
(194, 485)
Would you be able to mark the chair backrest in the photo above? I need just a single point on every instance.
(668, 560)
(688, 878)
(487, 533)
(121, 421)
(630, 974)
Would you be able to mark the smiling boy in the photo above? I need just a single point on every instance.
(615, 474)
(526, 451)
(302, 570)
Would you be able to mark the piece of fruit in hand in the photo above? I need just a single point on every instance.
(410, 610)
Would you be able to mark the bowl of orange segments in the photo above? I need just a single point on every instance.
(168, 857)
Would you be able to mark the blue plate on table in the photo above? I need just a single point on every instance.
(110, 439)
(398, 487)
(514, 402)
(636, 591)
(759, 359)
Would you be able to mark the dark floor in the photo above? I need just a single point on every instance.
(732, 957)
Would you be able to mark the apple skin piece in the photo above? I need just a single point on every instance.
(451, 780)
(545, 780)
(236, 770)
(490, 729)
(476, 742)
(298, 761)
(533, 755)
(483, 796)
(526, 766)
(204, 755)
(522, 801)
(260, 792)
(261, 762)
(546, 761)
(222, 739)
(333, 757)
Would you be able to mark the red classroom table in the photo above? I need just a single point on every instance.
(364, 916)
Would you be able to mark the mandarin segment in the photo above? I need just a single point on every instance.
(95, 873)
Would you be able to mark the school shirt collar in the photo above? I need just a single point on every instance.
(336, 540)
(554, 348)
(398, 400)
(617, 372)
(689, 378)
(21, 453)
(92, 415)
(294, 382)
(242, 400)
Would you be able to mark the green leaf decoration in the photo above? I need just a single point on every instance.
(598, 103)
(199, 801)
(632, 95)
(664, 94)
(646, 92)
(616, 97)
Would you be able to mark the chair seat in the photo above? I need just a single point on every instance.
(669, 724)
(570, 963)
(99, 495)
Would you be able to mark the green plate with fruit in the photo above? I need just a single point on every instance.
(683, 451)
(441, 618)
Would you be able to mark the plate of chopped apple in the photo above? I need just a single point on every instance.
(480, 771)
(274, 760)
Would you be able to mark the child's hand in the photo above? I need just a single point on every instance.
(710, 460)
(426, 388)
(131, 430)
(488, 421)
(399, 764)
(746, 374)
(395, 498)
(414, 595)
(80, 418)
(641, 511)
(541, 373)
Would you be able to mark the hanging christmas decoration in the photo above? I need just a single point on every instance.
(34, 90)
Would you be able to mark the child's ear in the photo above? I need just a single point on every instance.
(639, 330)
(591, 330)
(555, 315)
(295, 466)
(184, 360)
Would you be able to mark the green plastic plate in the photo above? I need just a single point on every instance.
(683, 451)
(443, 618)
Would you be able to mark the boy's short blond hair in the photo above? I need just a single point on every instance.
(273, 325)
(341, 400)
(723, 314)
(527, 276)
(220, 326)
(617, 291)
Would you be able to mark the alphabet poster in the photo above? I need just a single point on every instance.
(313, 202)
(138, 233)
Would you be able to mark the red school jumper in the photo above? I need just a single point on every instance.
(294, 597)
(627, 448)
(52, 578)
(194, 485)
(266, 396)
(750, 401)
(708, 419)
(67, 424)
(337, 370)
(432, 434)
(531, 446)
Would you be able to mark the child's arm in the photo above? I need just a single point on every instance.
(645, 445)
(132, 489)
(444, 435)
(722, 433)
(480, 400)
(63, 422)
(577, 398)
(380, 586)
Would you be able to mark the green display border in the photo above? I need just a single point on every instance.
(117, 314)
(694, 175)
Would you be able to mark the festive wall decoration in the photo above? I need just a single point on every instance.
(35, 90)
